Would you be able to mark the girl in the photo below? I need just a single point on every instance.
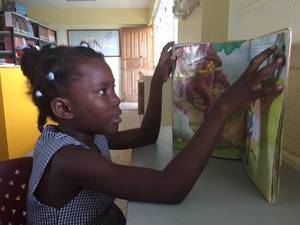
(73, 180)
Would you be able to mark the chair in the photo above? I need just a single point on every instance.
(14, 178)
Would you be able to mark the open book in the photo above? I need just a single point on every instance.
(203, 72)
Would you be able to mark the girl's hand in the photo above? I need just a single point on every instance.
(164, 66)
(247, 88)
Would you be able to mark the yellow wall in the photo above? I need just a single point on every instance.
(18, 115)
(190, 29)
(250, 18)
(215, 15)
(3, 137)
(207, 23)
(90, 16)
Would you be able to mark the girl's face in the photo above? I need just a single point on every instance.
(94, 102)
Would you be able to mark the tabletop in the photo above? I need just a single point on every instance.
(223, 194)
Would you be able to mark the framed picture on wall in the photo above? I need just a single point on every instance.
(105, 41)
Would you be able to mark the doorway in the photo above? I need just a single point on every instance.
(136, 58)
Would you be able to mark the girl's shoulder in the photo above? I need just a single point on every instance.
(52, 136)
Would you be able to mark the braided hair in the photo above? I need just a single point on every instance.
(49, 72)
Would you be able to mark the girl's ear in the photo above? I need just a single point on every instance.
(61, 107)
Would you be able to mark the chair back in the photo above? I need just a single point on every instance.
(14, 178)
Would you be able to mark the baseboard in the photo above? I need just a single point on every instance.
(292, 159)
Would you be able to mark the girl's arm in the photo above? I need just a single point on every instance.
(173, 183)
(149, 130)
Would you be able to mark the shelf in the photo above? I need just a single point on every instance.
(19, 34)
(44, 26)
(19, 31)
(24, 17)
(47, 41)
(5, 33)
(25, 35)
(28, 36)
(6, 53)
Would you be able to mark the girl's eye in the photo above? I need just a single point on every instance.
(101, 92)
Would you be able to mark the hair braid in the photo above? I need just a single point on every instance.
(42, 118)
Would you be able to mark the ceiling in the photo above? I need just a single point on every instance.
(89, 3)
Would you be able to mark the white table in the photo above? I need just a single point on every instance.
(223, 195)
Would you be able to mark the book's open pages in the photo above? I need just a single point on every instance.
(265, 119)
(203, 72)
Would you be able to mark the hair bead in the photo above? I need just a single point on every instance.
(52, 46)
(50, 76)
(38, 94)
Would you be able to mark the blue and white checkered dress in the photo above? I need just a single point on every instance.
(88, 207)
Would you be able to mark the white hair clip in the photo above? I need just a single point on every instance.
(38, 93)
(51, 76)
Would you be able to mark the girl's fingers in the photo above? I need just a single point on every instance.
(273, 90)
(268, 70)
(170, 53)
(167, 46)
(259, 59)
(166, 52)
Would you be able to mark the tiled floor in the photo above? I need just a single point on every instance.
(130, 119)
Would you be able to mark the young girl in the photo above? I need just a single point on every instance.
(73, 179)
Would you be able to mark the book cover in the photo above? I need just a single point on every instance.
(202, 73)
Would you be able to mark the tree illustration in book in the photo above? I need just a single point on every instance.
(203, 72)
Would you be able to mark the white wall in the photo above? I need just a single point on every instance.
(251, 18)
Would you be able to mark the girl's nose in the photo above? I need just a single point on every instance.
(116, 100)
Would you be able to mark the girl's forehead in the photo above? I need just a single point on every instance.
(89, 64)
(96, 71)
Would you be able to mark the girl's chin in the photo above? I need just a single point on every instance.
(113, 129)
(110, 129)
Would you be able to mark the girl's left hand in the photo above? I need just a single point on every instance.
(165, 63)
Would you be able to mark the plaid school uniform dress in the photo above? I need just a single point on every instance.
(88, 207)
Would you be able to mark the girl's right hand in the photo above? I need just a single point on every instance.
(247, 88)
(164, 66)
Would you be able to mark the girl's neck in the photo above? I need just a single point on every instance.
(85, 138)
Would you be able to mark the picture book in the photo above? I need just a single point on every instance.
(202, 73)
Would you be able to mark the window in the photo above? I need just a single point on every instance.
(165, 27)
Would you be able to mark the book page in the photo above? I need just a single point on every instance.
(203, 72)
(264, 135)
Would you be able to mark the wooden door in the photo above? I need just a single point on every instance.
(136, 55)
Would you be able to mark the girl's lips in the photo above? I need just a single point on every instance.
(117, 117)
